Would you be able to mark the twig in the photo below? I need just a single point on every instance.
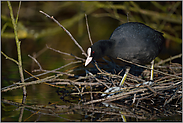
(38, 78)
(155, 93)
(36, 62)
(88, 30)
(98, 67)
(115, 97)
(76, 57)
(134, 98)
(31, 74)
(127, 94)
(148, 68)
(51, 17)
(7, 57)
(18, 12)
(91, 96)
(167, 77)
(173, 96)
(98, 79)
(53, 71)
(168, 59)
(30, 83)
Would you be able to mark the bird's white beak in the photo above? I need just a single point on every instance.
(89, 58)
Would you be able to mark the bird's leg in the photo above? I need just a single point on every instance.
(152, 70)
(124, 76)
(114, 89)
(151, 78)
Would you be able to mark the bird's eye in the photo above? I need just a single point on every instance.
(93, 52)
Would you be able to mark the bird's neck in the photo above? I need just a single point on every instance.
(106, 46)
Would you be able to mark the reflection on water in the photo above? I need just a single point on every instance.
(96, 112)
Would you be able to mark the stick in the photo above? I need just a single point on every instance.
(54, 71)
(168, 59)
(36, 62)
(148, 68)
(51, 17)
(20, 85)
(88, 30)
(7, 57)
(76, 57)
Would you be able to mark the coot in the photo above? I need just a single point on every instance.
(131, 41)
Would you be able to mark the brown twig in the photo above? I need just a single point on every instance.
(168, 59)
(148, 68)
(20, 85)
(36, 62)
(88, 30)
(55, 70)
(98, 80)
(76, 57)
(51, 17)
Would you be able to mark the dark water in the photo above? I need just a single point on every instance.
(44, 104)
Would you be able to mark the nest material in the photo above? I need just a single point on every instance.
(167, 85)
(162, 98)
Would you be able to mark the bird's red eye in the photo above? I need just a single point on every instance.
(93, 52)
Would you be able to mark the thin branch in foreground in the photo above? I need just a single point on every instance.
(168, 59)
(51, 17)
(36, 62)
(88, 30)
(148, 68)
(53, 71)
(76, 57)
(20, 85)
(7, 57)
(18, 12)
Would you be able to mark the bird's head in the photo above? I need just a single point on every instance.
(98, 50)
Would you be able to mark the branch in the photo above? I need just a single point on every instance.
(88, 30)
(20, 85)
(36, 62)
(51, 17)
(18, 12)
(55, 70)
(149, 68)
(7, 57)
(76, 57)
(17, 43)
(168, 59)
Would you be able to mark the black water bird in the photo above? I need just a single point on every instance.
(131, 41)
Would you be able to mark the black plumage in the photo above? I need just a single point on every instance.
(131, 41)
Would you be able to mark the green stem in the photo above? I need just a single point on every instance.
(18, 12)
(7, 57)
(18, 46)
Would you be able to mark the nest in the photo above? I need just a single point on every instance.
(167, 85)
(161, 98)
